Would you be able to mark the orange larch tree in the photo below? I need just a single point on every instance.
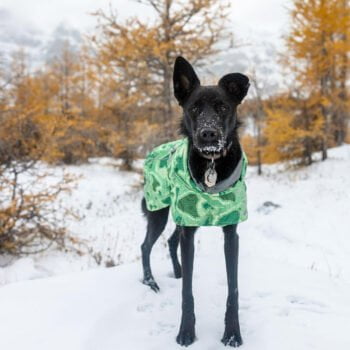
(318, 48)
(135, 60)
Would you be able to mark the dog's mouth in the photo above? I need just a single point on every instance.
(210, 152)
(214, 151)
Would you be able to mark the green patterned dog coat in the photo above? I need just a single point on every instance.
(168, 183)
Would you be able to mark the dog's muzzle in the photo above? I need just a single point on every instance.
(210, 141)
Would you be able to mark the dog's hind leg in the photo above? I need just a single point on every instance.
(173, 242)
(156, 221)
(232, 334)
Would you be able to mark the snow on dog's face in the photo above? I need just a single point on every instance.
(209, 112)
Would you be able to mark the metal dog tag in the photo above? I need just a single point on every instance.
(210, 177)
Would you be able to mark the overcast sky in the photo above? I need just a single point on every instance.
(250, 18)
(257, 25)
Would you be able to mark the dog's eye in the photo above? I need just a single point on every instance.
(194, 109)
(223, 108)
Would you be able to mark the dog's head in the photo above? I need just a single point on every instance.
(209, 112)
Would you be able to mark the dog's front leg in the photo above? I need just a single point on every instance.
(232, 334)
(186, 334)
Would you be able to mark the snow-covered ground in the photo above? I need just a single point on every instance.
(294, 271)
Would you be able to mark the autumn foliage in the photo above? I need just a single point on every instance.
(113, 95)
(314, 114)
(30, 211)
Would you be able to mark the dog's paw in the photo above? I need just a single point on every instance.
(232, 339)
(186, 337)
(152, 284)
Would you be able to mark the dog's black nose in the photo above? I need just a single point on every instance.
(208, 134)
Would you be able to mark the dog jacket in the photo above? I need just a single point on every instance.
(168, 182)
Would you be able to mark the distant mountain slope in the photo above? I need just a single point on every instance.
(38, 46)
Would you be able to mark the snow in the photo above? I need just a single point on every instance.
(294, 272)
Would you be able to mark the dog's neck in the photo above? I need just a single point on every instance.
(224, 165)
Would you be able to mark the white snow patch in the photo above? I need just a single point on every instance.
(294, 278)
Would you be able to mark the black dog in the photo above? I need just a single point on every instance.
(210, 124)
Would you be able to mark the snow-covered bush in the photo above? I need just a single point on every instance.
(32, 218)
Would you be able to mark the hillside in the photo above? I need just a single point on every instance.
(294, 270)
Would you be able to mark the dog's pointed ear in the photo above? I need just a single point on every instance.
(185, 80)
(236, 86)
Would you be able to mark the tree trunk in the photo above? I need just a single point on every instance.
(259, 162)
(324, 93)
(308, 152)
(343, 114)
(168, 115)
(324, 151)
(259, 142)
